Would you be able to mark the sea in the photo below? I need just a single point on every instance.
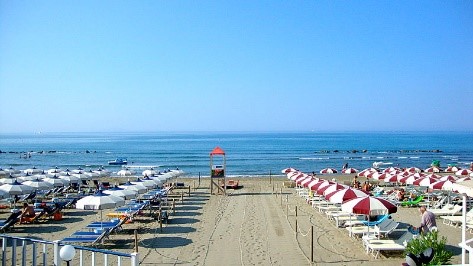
(246, 154)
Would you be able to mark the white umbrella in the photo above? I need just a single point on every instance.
(55, 181)
(99, 201)
(125, 172)
(16, 188)
(121, 192)
(92, 174)
(156, 181)
(149, 172)
(137, 187)
(328, 171)
(38, 184)
(73, 179)
(148, 184)
(12, 171)
(350, 171)
(3, 173)
(54, 171)
(8, 180)
(81, 176)
(32, 171)
(288, 170)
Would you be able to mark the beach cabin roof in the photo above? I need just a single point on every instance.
(217, 151)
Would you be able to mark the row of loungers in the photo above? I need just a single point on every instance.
(373, 234)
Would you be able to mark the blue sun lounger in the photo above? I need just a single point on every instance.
(87, 239)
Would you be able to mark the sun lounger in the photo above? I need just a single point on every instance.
(454, 211)
(360, 230)
(375, 246)
(87, 239)
(413, 202)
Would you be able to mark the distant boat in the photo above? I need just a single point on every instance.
(118, 161)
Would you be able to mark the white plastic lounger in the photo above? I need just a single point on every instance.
(375, 246)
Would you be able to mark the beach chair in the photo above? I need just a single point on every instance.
(456, 220)
(9, 222)
(375, 246)
(455, 210)
(91, 239)
(361, 230)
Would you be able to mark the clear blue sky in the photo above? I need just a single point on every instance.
(94, 66)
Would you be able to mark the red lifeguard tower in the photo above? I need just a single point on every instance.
(217, 171)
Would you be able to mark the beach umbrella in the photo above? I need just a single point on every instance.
(369, 206)
(288, 170)
(32, 171)
(78, 170)
(16, 188)
(121, 192)
(293, 176)
(350, 171)
(302, 178)
(148, 184)
(12, 171)
(331, 188)
(432, 170)
(381, 176)
(38, 184)
(408, 179)
(320, 183)
(54, 171)
(425, 181)
(452, 169)
(413, 170)
(448, 177)
(56, 181)
(463, 172)
(434, 175)
(99, 201)
(339, 196)
(463, 179)
(328, 171)
(314, 184)
(3, 194)
(442, 185)
(320, 190)
(149, 172)
(391, 178)
(392, 170)
(136, 187)
(125, 172)
(306, 181)
(73, 179)
(8, 180)
(368, 172)
(91, 174)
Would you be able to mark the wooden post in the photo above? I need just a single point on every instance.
(270, 176)
(312, 244)
(173, 206)
(296, 211)
(199, 179)
(136, 241)
(194, 185)
(287, 209)
(160, 223)
(296, 228)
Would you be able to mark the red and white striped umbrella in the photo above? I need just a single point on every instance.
(408, 179)
(312, 183)
(381, 176)
(442, 185)
(448, 177)
(463, 172)
(306, 181)
(432, 170)
(391, 178)
(350, 171)
(463, 179)
(369, 206)
(328, 171)
(452, 169)
(288, 170)
(321, 184)
(339, 196)
(330, 188)
(295, 176)
(425, 181)
(413, 170)
(433, 175)
(368, 172)
(301, 178)
(392, 170)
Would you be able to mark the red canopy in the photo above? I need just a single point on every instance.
(217, 151)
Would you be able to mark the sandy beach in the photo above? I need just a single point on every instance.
(253, 225)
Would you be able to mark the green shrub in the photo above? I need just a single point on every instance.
(430, 240)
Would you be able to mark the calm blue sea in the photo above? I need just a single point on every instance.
(247, 153)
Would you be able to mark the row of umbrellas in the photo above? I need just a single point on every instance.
(372, 171)
(352, 200)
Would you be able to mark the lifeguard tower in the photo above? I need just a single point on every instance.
(217, 171)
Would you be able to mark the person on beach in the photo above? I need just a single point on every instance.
(427, 221)
(27, 212)
(356, 183)
(401, 194)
